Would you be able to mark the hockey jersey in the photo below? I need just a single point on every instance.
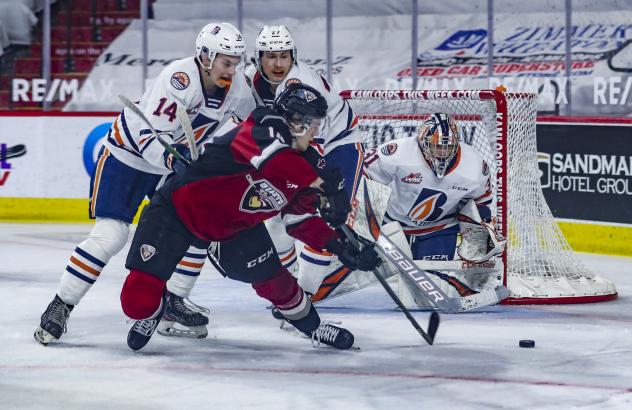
(245, 177)
(340, 126)
(179, 84)
(421, 202)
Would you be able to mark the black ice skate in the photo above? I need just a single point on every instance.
(333, 336)
(183, 319)
(142, 330)
(53, 321)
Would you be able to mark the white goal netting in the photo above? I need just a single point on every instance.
(539, 264)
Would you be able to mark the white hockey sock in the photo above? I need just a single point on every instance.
(313, 268)
(289, 260)
(106, 239)
(187, 272)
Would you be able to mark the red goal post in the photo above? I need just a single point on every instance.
(539, 265)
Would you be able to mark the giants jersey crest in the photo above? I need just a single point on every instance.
(262, 196)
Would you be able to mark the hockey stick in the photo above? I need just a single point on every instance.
(188, 131)
(12, 152)
(367, 225)
(161, 140)
(433, 323)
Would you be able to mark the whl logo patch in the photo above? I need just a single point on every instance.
(413, 178)
(146, 252)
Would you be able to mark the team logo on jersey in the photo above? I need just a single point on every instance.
(180, 80)
(427, 207)
(146, 252)
(413, 178)
(292, 81)
(389, 149)
(262, 196)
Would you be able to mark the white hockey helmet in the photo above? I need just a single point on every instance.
(274, 38)
(439, 141)
(219, 38)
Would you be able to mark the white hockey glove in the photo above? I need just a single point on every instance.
(479, 240)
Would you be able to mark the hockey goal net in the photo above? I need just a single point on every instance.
(539, 266)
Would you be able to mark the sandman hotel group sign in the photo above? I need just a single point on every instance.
(586, 170)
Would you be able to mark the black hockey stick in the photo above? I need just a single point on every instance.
(13, 152)
(433, 323)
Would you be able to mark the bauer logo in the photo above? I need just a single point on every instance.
(463, 39)
(544, 167)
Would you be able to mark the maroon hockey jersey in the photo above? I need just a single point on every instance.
(245, 177)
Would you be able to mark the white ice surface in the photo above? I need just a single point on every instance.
(582, 359)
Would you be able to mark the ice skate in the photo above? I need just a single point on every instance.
(183, 318)
(142, 330)
(333, 336)
(53, 321)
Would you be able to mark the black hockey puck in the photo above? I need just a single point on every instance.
(527, 343)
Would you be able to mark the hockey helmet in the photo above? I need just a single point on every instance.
(274, 38)
(219, 38)
(439, 141)
(301, 104)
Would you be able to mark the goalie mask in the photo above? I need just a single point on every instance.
(218, 38)
(302, 106)
(273, 38)
(439, 141)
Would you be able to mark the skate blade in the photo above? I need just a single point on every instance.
(43, 337)
(173, 329)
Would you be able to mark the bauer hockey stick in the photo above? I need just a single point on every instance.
(433, 323)
(366, 223)
(161, 140)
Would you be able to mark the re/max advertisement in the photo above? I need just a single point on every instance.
(586, 169)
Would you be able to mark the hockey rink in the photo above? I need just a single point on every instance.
(582, 358)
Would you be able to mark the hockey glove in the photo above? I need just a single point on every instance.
(366, 259)
(175, 164)
(336, 207)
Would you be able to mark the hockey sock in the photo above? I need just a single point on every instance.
(285, 294)
(187, 272)
(313, 268)
(141, 295)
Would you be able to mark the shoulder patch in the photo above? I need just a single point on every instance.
(180, 80)
(292, 81)
(485, 168)
(389, 149)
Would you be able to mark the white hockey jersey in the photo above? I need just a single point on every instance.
(131, 141)
(340, 126)
(421, 202)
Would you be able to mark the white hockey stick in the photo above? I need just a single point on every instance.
(187, 128)
(366, 222)
(161, 140)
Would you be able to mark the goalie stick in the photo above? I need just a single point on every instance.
(161, 140)
(13, 152)
(433, 322)
(366, 223)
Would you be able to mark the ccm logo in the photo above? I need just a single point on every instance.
(411, 270)
(261, 258)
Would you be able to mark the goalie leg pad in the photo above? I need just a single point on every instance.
(479, 239)
(141, 296)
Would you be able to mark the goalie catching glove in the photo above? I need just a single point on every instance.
(336, 206)
(479, 240)
(366, 259)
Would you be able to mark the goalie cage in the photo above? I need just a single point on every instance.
(539, 265)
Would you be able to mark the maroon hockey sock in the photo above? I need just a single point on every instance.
(141, 294)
